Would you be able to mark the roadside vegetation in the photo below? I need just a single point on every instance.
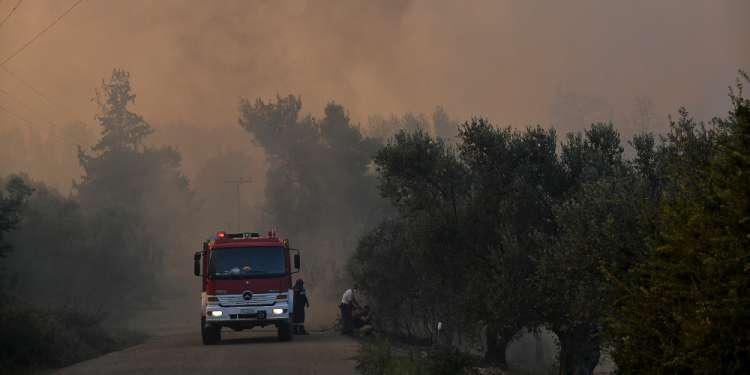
(36, 339)
(321, 187)
(490, 231)
(383, 358)
(510, 230)
(73, 267)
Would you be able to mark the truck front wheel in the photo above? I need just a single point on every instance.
(285, 331)
(210, 335)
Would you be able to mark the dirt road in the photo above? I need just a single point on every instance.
(246, 352)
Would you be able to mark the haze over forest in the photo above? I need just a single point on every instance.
(532, 162)
(509, 61)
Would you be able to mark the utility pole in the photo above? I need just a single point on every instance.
(237, 184)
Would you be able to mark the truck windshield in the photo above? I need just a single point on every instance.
(242, 262)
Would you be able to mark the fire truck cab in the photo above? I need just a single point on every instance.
(246, 282)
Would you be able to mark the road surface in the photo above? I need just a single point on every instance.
(246, 352)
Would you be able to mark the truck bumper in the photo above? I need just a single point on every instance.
(247, 316)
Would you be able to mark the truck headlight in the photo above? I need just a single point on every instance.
(278, 311)
(216, 313)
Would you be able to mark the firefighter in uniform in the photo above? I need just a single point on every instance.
(300, 303)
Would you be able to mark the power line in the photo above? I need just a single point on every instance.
(30, 124)
(24, 82)
(11, 13)
(28, 85)
(28, 107)
(40, 94)
(41, 33)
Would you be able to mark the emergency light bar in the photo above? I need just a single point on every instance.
(233, 236)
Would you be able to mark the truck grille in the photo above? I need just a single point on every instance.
(229, 300)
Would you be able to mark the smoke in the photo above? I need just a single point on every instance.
(505, 60)
(562, 64)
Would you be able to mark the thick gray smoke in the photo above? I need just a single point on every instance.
(197, 68)
(563, 64)
(505, 60)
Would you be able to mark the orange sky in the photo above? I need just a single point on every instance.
(191, 61)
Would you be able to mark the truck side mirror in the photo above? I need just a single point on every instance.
(196, 263)
(296, 261)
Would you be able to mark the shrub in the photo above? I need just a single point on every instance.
(380, 358)
(53, 338)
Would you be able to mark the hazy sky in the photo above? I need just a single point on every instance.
(192, 60)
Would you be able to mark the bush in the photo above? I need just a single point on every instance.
(448, 362)
(685, 308)
(53, 338)
(380, 358)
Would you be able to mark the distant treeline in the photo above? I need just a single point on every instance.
(321, 187)
(69, 263)
(508, 230)
(490, 230)
(102, 247)
(115, 243)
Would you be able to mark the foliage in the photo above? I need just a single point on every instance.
(102, 250)
(444, 126)
(426, 183)
(647, 255)
(320, 181)
(121, 129)
(50, 152)
(48, 236)
(464, 209)
(319, 186)
(686, 308)
(596, 231)
(439, 123)
(514, 176)
(134, 194)
(59, 239)
(12, 202)
(374, 358)
(448, 362)
(36, 338)
(598, 234)
(382, 358)
(383, 263)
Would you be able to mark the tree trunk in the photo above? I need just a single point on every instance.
(496, 345)
(538, 349)
(578, 357)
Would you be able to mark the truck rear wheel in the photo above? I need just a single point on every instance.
(210, 335)
(285, 331)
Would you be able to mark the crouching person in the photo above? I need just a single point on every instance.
(362, 320)
(348, 303)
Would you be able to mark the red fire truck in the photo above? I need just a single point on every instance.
(247, 281)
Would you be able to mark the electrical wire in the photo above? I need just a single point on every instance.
(11, 13)
(26, 106)
(41, 33)
(28, 85)
(31, 125)
(41, 95)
